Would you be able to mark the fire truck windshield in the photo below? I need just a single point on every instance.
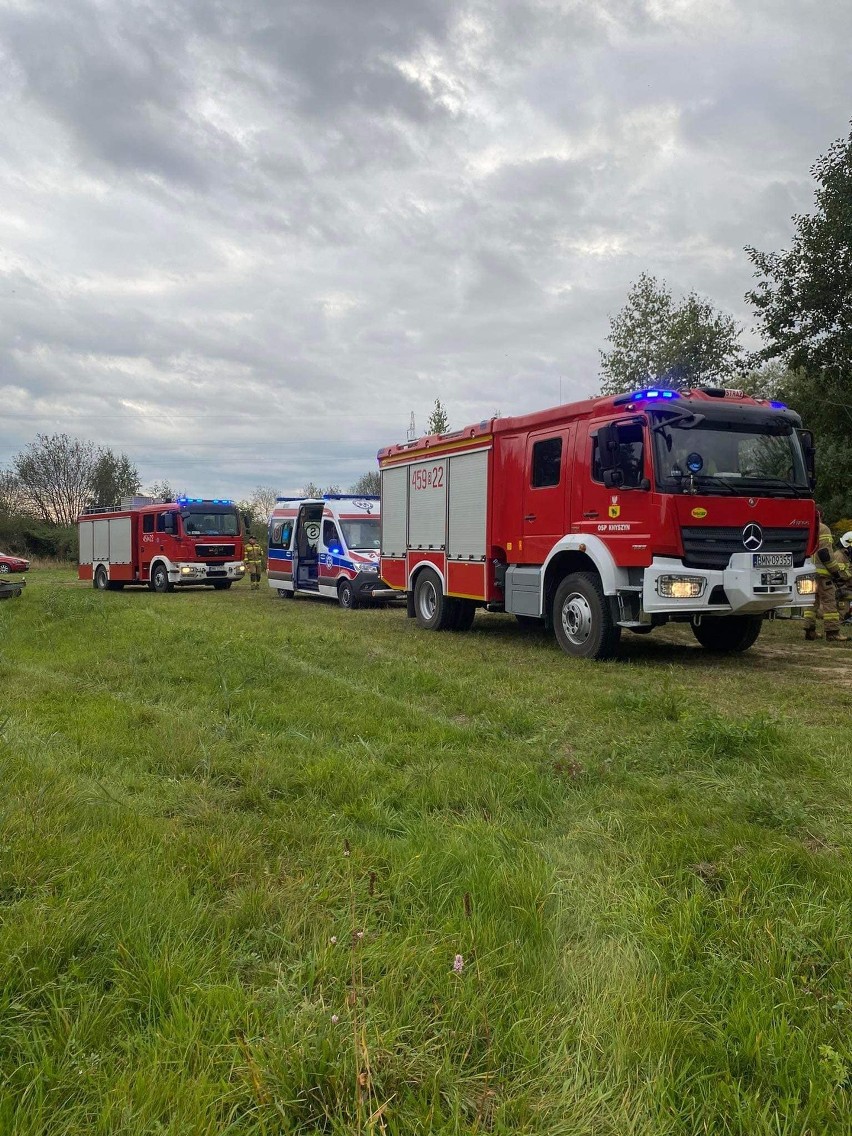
(730, 456)
(212, 522)
(361, 534)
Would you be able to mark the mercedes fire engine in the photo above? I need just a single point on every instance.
(161, 543)
(325, 546)
(614, 513)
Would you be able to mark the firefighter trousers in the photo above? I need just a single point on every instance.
(825, 606)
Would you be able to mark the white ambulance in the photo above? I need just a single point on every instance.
(325, 547)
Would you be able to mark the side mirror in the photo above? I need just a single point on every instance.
(613, 478)
(608, 449)
(809, 450)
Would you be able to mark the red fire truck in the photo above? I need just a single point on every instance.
(612, 513)
(161, 543)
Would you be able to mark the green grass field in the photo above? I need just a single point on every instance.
(245, 839)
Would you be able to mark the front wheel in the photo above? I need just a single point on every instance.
(582, 620)
(160, 579)
(5, 569)
(222, 585)
(346, 595)
(432, 610)
(727, 634)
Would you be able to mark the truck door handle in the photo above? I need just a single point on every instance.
(591, 513)
(530, 517)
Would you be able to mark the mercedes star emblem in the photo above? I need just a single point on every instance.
(752, 537)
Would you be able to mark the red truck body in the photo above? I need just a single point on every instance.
(693, 506)
(163, 544)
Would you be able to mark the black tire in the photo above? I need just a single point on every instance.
(222, 585)
(100, 580)
(727, 634)
(5, 569)
(465, 615)
(432, 610)
(346, 595)
(160, 579)
(582, 620)
(283, 594)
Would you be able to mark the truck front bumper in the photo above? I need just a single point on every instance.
(739, 589)
(206, 573)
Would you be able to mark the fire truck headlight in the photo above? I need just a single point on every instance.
(681, 587)
(806, 585)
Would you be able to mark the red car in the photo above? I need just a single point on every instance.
(13, 564)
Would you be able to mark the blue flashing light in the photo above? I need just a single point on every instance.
(779, 405)
(201, 501)
(654, 393)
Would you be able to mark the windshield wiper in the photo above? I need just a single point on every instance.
(729, 485)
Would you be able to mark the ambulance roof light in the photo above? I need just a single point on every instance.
(650, 394)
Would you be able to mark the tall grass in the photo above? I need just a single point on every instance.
(246, 842)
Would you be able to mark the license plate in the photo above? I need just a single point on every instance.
(772, 560)
(215, 571)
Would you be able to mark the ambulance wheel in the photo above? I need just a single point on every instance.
(160, 579)
(283, 594)
(346, 595)
(101, 580)
(222, 585)
(432, 610)
(727, 634)
(465, 614)
(582, 620)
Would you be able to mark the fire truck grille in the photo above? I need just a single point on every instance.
(214, 550)
(713, 547)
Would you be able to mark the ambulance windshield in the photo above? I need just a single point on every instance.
(212, 522)
(361, 534)
(730, 456)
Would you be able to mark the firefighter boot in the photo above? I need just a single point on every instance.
(810, 634)
(832, 635)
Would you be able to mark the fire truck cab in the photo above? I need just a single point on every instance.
(614, 513)
(164, 544)
(325, 546)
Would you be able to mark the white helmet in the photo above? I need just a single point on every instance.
(846, 539)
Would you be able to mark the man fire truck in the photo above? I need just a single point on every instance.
(161, 543)
(325, 546)
(619, 512)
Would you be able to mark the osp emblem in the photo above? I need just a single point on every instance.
(752, 537)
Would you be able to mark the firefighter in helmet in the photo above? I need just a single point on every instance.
(844, 589)
(830, 570)
(253, 560)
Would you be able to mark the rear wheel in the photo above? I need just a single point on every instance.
(160, 579)
(432, 610)
(582, 620)
(283, 594)
(727, 634)
(101, 580)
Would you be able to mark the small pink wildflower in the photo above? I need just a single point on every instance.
(359, 934)
(333, 940)
(458, 964)
(335, 1018)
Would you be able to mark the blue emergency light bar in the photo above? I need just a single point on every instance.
(779, 405)
(654, 392)
(202, 501)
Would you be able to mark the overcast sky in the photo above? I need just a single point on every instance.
(243, 241)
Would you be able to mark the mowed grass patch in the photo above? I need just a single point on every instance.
(245, 841)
